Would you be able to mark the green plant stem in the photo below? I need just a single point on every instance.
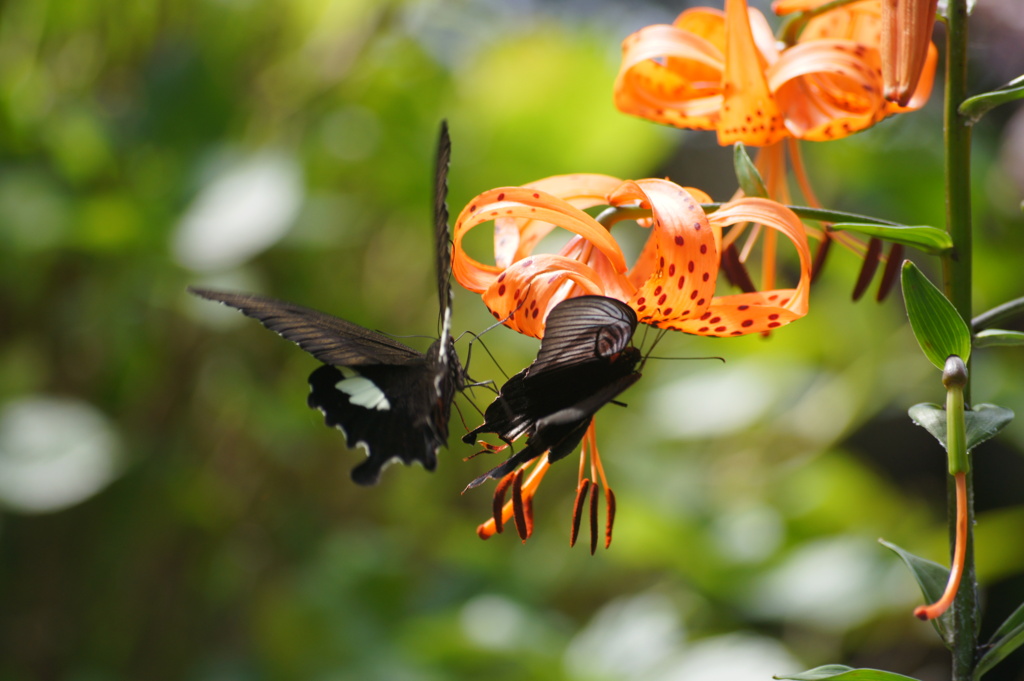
(957, 280)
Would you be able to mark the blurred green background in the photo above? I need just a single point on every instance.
(172, 510)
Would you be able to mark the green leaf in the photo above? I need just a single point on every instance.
(841, 672)
(1008, 638)
(1014, 621)
(976, 107)
(938, 327)
(983, 421)
(1008, 311)
(932, 578)
(993, 337)
(747, 174)
(928, 239)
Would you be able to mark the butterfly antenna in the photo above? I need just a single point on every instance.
(477, 336)
(662, 333)
(469, 352)
(462, 416)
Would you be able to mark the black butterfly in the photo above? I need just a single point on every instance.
(584, 361)
(383, 395)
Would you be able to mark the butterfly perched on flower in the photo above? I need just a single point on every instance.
(584, 362)
(385, 396)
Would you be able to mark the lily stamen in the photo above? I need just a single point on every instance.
(504, 511)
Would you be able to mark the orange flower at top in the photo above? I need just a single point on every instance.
(711, 70)
(672, 283)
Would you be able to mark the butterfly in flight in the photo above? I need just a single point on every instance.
(584, 362)
(383, 395)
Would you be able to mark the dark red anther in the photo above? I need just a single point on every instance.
(821, 255)
(609, 500)
(577, 509)
(891, 271)
(518, 509)
(736, 271)
(499, 501)
(867, 270)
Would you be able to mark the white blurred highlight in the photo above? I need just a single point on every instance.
(243, 211)
(833, 584)
(54, 453)
(627, 639)
(494, 622)
(736, 657)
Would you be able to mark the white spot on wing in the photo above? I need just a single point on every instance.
(362, 392)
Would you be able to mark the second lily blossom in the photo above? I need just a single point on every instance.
(711, 70)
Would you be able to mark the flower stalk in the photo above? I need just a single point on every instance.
(957, 280)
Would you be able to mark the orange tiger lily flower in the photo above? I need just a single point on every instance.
(672, 284)
(723, 71)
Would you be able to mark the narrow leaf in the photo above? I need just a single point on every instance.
(1014, 621)
(747, 174)
(976, 107)
(999, 650)
(993, 337)
(932, 578)
(840, 672)
(1008, 311)
(938, 327)
(983, 421)
(928, 239)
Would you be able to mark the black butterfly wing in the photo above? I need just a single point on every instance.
(328, 338)
(559, 433)
(584, 329)
(442, 238)
(383, 409)
(584, 361)
(448, 373)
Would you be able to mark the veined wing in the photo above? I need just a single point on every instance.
(328, 338)
(584, 329)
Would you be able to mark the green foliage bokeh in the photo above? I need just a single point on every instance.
(229, 541)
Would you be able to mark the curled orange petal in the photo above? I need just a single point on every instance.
(680, 260)
(531, 205)
(750, 113)
(672, 76)
(755, 312)
(525, 292)
(515, 238)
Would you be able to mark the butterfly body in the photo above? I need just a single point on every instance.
(583, 363)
